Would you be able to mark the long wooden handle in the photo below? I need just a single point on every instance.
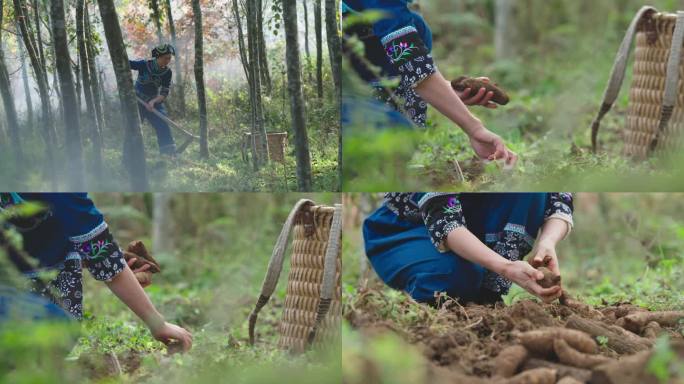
(167, 120)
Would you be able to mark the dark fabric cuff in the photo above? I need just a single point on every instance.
(100, 253)
(409, 56)
(442, 213)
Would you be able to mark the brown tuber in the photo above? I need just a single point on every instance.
(541, 341)
(636, 321)
(652, 330)
(137, 249)
(500, 97)
(550, 279)
(508, 360)
(570, 356)
(532, 376)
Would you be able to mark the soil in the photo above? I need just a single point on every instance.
(463, 341)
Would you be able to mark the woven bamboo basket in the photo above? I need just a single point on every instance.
(312, 310)
(305, 280)
(653, 44)
(655, 116)
(277, 145)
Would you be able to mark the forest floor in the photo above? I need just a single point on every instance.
(624, 258)
(209, 282)
(457, 343)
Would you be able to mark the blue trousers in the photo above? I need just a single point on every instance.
(368, 114)
(22, 306)
(166, 144)
(404, 257)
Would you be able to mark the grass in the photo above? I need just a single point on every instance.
(209, 284)
(224, 170)
(556, 84)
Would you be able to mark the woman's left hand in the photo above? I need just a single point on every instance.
(544, 255)
(144, 268)
(150, 105)
(481, 97)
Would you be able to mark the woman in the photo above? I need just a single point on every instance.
(400, 45)
(467, 245)
(153, 86)
(70, 233)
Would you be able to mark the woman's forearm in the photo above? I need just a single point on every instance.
(465, 244)
(126, 287)
(437, 91)
(157, 99)
(553, 231)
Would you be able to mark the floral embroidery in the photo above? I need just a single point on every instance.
(96, 250)
(401, 51)
(452, 206)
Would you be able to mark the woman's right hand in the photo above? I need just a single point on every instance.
(523, 274)
(490, 146)
(170, 334)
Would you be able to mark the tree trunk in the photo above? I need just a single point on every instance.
(244, 59)
(41, 79)
(86, 78)
(180, 85)
(133, 149)
(70, 113)
(8, 103)
(318, 26)
(162, 224)
(199, 78)
(502, 29)
(294, 85)
(306, 39)
(39, 39)
(263, 60)
(334, 44)
(156, 18)
(94, 76)
(27, 85)
(76, 67)
(258, 128)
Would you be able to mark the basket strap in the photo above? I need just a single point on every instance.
(617, 74)
(275, 265)
(329, 271)
(671, 80)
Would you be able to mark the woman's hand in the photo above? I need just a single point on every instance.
(544, 255)
(481, 97)
(150, 105)
(144, 268)
(169, 334)
(490, 146)
(523, 274)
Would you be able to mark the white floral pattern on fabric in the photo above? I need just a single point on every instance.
(414, 63)
(68, 285)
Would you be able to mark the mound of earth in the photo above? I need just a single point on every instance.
(527, 342)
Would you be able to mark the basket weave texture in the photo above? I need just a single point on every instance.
(653, 43)
(304, 284)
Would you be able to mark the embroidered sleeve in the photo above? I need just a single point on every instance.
(409, 55)
(560, 206)
(165, 84)
(442, 213)
(100, 253)
(137, 64)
